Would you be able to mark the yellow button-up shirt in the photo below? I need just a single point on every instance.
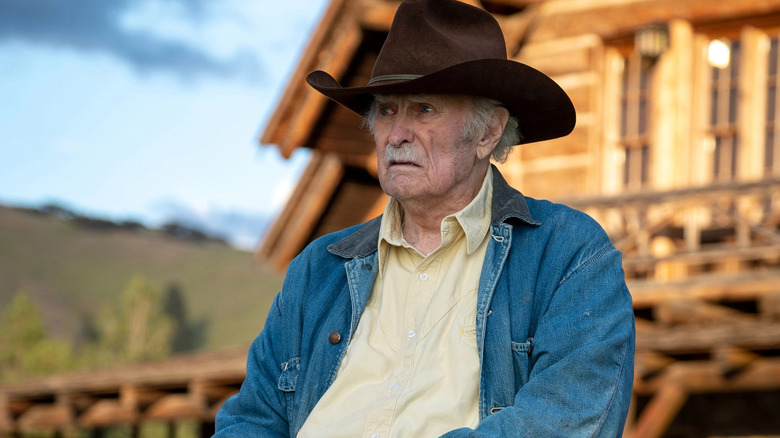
(412, 368)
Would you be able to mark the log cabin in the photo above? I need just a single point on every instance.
(676, 152)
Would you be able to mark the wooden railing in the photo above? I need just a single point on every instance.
(182, 388)
(703, 267)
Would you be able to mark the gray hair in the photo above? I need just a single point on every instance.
(478, 122)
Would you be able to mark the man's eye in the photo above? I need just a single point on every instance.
(426, 109)
(385, 110)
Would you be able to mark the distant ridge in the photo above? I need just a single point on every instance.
(71, 265)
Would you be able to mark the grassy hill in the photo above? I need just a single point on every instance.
(71, 271)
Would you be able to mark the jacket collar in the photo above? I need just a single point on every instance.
(508, 204)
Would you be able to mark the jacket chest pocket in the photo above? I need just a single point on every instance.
(520, 355)
(289, 375)
(287, 380)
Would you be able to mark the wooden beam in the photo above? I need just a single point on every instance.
(659, 413)
(108, 413)
(711, 254)
(687, 310)
(46, 416)
(648, 363)
(714, 192)
(614, 18)
(733, 360)
(175, 406)
(225, 366)
(706, 377)
(133, 396)
(756, 335)
(712, 287)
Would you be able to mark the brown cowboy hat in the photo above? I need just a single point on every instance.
(449, 47)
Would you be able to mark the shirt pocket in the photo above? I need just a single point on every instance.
(521, 352)
(469, 334)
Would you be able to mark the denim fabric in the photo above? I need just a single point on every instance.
(555, 328)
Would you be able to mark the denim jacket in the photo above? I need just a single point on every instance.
(555, 328)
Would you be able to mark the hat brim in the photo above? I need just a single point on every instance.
(540, 105)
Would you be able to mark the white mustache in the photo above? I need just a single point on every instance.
(405, 154)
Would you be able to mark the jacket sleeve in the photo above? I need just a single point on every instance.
(580, 359)
(259, 409)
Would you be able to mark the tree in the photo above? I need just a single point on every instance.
(138, 329)
(188, 335)
(25, 347)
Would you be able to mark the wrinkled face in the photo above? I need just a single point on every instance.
(422, 154)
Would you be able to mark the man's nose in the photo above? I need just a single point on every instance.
(400, 131)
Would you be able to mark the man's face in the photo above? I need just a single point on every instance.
(422, 154)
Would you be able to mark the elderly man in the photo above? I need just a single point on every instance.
(466, 309)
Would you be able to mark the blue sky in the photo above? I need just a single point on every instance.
(149, 110)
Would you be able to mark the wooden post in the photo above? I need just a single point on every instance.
(660, 412)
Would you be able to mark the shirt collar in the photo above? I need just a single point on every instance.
(508, 205)
(474, 219)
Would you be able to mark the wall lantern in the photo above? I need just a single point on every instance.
(651, 41)
(719, 53)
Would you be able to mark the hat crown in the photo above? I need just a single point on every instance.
(429, 35)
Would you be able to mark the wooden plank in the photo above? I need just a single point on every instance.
(756, 335)
(712, 287)
(692, 311)
(175, 406)
(561, 148)
(108, 413)
(710, 254)
(650, 363)
(347, 146)
(554, 183)
(733, 360)
(47, 416)
(557, 163)
(229, 364)
(613, 18)
(707, 376)
(562, 55)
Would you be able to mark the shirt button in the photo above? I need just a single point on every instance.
(374, 435)
(411, 333)
(395, 386)
(423, 276)
(334, 338)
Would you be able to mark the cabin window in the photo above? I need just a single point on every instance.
(634, 121)
(724, 60)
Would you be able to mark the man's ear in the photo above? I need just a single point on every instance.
(493, 134)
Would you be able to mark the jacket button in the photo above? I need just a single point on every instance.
(368, 266)
(334, 338)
